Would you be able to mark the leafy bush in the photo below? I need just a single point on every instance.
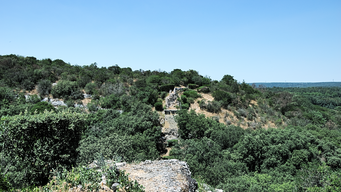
(6, 94)
(44, 87)
(158, 106)
(192, 86)
(242, 112)
(204, 89)
(64, 89)
(34, 144)
(90, 88)
(108, 89)
(167, 87)
(41, 107)
(171, 143)
(222, 96)
(213, 106)
(4, 185)
(192, 93)
(90, 179)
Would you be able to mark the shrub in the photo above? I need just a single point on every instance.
(4, 185)
(6, 94)
(192, 93)
(36, 144)
(213, 106)
(109, 88)
(158, 106)
(222, 96)
(202, 104)
(185, 106)
(190, 100)
(184, 98)
(41, 107)
(204, 89)
(63, 89)
(83, 81)
(192, 86)
(171, 143)
(90, 88)
(70, 103)
(163, 94)
(76, 94)
(90, 179)
(242, 112)
(167, 87)
(27, 84)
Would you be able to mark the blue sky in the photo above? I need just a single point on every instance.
(254, 40)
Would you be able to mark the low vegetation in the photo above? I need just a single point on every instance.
(234, 136)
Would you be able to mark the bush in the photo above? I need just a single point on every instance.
(90, 179)
(167, 87)
(76, 94)
(27, 84)
(192, 93)
(63, 89)
(163, 94)
(6, 94)
(192, 86)
(109, 88)
(213, 107)
(90, 88)
(204, 89)
(202, 104)
(185, 106)
(242, 112)
(171, 143)
(222, 96)
(36, 144)
(158, 106)
(41, 107)
(4, 185)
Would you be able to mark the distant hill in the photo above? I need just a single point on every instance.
(301, 84)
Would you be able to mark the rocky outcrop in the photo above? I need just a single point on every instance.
(170, 129)
(171, 99)
(57, 102)
(160, 175)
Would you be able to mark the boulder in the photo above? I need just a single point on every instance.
(159, 175)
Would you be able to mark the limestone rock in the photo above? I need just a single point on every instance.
(162, 175)
(159, 175)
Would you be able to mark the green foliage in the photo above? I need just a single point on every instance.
(109, 88)
(158, 106)
(167, 87)
(34, 144)
(4, 185)
(90, 179)
(40, 107)
(222, 96)
(204, 89)
(192, 86)
(90, 88)
(213, 106)
(6, 95)
(192, 93)
(64, 89)
(171, 143)
(315, 177)
(133, 135)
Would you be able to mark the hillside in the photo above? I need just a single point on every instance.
(235, 137)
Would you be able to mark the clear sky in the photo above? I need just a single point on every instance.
(253, 40)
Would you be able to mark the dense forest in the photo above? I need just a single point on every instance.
(266, 139)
